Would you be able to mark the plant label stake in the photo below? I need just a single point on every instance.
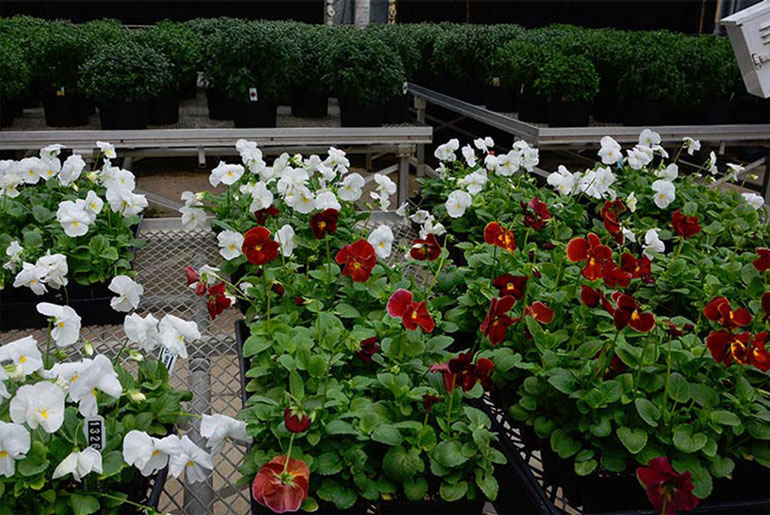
(93, 429)
(253, 97)
(168, 359)
(60, 92)
(404, 87)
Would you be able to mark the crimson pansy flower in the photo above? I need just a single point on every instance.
(727, 347)
(684, 226)
(497, 320)
(540, 312)
(720, 311)
(762, 263)
(368, 349)
(538, 216)
(427, 249)
(279, 490)
(359, 260)
(639, 268)
(513, 285)
(263, 214)
(296, 420)
(258, 246)
(614, 276)
(324, 222)
(462, 372)
(609, 212)
(626, 313)
(495, 234)
(217, 301)
(194, 278)
(413, 314)
(666, 489)
(592, 251)
(429, 400)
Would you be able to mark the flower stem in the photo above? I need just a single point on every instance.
(120, 351)
(449, 407)
(267, 296)
(144, 508)
(328, 261)
(494, 264)
(435, 276)
(668, 377)
(288, 454)
(48, 342)
(610, 353)
(679, 249)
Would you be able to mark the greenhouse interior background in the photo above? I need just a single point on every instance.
(385, 257)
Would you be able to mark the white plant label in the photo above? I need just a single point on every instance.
(405, 87)
(253, 97)
(168, 359)
(93, 429)
(496, 82)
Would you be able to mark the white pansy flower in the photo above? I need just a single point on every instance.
(639, 157)
(52, 150)
(457, 202)
(631, 202)
(446, 151)
(14, 445)
(312, 164)
(24, 353)
(196, 199)
(13, 251)
(562, 180)
(470, 155)
(126, 202)
(115, 178)
(351, 187)
(430, 228)
(10, 180)
(40, 404)
(79, 464)
(279, 168)
(653, 243)
(327, 200)
(668, 173)
(711, 164)
(261, 197)
(754, 200)
(94, 204)
(175, 333)
(51, 167)
(490, 163)
(665, 193)
(381, 239)
(56, 277)
(195, 462)
(292, 179)
(691, 145)
(734, 171)
(251, 155)
(402, 209)
(146, 453)
(596, 183)
(474, 182)
(97, 374)
(230, 244)
(32, 169)
(337, 158)
(529, 157)
(65, 328)
(301, 200)
(128, 291)
(484, 144)
(33, 277)
(225, 174)
(649, 138)
(385, 188)
(142, 331)
(508, 164)
(610, 151)
(71, 169)
(628, 234)
(73, 219)
(219, 428)
(285, 238)
(420, 216)
(107, 149)
(192, 217)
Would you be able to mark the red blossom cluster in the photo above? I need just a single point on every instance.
(536, 214)
(495, 234)
(368, 349)
(592, 251)
(324, 222)
(609, 213)
(497, 321)
(625, 311)
(261, 215)
(461, 371)
(413, 314)
(282, 487)
(427, 249)
(514, 285)
(666, 489)
(358, 259)
(728, 346)
(762, 262)
(258, 247)
(216, 299)
(684, 226)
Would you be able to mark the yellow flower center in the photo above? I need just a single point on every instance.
(155, 452)
(414, 315)
(93, 392)
(75, 223)
(43, 413)
(635, 315)
(23, 359)
(61, 325)
(191, 463)
(322, 225)
(3, 454)
(74, 378)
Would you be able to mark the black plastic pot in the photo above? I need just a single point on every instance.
(715, 113)
(69, 110)
(260, 113)
(396, 109)
(91, 302)
(310, 104)
(189, 88)
(532, 108)
(145, 490)
(567, 114)
(123, 115)
(500, 99)
(608, 107)
(164, 110)
(464, 507)
(220, 104)
(356, 114)
(648, 114)
(9, 109)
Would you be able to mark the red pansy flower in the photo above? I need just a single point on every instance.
(217, 301)
(369, 348)
(590, 297)
(296, 420)
(263, 214)
(675, 330)
(684, 226)
(299, 301)
(666, 488)
(513, 285)
(413, 314)
(359, 260)
(616, 365)
(429, 400)
(279, 491)
(592, 251)
(609, 212)
(428, 249)
(194, 278)
(758, 355)
(727, 347)
(324, 222)
(719, 311)
(540, 312)
(766, 306)
(614, 276)
(496, 235)
(497, 320)
(278, 289)
(461, 371)
(536, 219)
(627, 314)
(762, 263)
(640, 268)
(258, 247)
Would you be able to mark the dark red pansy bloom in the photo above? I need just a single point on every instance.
(592, 251)
(540, 312)
(194, 278)
(368, 349)
(496, 235)
(536, 214)
(296, 420)
(359, 260)
(513, 285)
(758, 355)
(627, 314)
(766, 306)
(429, 400)
(727, 347)
(720, 311)
(609, 212)
(282, 491)
(413, 314)
(497, 320)
(684, 226)
(299, 301)
(640, 268)
(590, 297)
(278, 289)
(258, 247)
(263, 214)
(461, 371)
(616, 365)
(324, 222)
(675, 330)
(666, 488)
(217, 301)
(762, 263)
(614, 276)
(428, 249)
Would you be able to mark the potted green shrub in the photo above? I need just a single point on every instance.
(14, 79)
(496, 96)
(122, 78)
(310, 96)
(24, 31)
(455, 59)
(401, 40)
(570, 84)
(710, 69)
(362, 71)
(516, 64)
(610, 52)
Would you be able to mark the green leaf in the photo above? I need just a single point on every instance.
(721, 466)
(487, 484)
(686, 441)
(346, 311)
(42, 214)
(387, 434)
(340, 427)
(402, 465)
(83, 504)
(725, 418)
(112, 463)
(563, 443)
(678, 388)
(426, 438)
(309, 505)
(296, 385)
(416, 490)
(583, 468)
(449, 454)
(452, 493)
(329, 463)
(316, 367)
(648, 411)
(632, 439)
